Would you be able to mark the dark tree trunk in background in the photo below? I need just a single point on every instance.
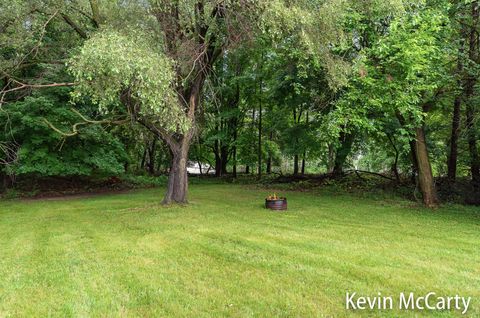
(200, 167)
(346, 143)
(331, 158)
(151, 158)
(413, 157)
(304, 151)
(234, 168)
(269, 159)
(144, 157)
(452, 156)
(295, 157)
(413, 151)
(223, 159)
(303, 163)
(218, 158)
(295, 165)
(259, 149)
(469, 92)
(235, 121)
(96, 17)
(253, 146)
(395, 162)
(425, 175)
(472, 147)
(455, 132)
(218, 165)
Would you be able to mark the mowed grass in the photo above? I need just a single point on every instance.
(125, 255)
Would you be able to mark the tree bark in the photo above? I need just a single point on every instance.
(425, 175)
(177, 186)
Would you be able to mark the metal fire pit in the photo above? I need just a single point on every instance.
(279, 204)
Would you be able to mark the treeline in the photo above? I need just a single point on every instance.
(94, 88)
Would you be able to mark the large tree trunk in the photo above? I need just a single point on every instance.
(177, 186)
(425, 175)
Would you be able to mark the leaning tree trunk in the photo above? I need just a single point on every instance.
(425, 175)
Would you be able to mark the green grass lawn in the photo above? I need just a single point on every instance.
(224, 255)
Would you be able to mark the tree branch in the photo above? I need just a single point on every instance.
(74, 26)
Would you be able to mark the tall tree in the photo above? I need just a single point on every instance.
(403, 75)
(160, 86)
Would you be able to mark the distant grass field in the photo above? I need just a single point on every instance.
(124, 255)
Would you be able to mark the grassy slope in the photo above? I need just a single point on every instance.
(224, 255)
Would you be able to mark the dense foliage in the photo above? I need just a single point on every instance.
(264, 87)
